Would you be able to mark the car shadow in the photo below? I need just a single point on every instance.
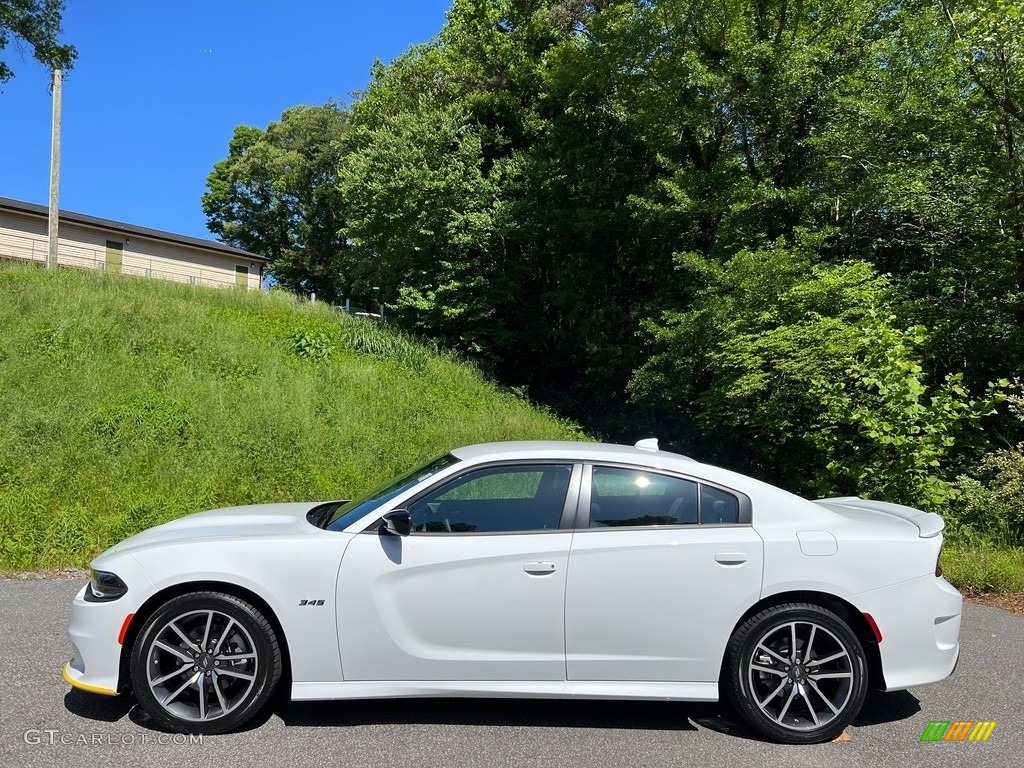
(879, 708)
(552, 713)
(105, 709)
(111, 709)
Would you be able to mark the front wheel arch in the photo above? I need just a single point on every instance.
(169, 593)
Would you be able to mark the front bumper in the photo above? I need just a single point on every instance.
(74, 678)
(95, 664)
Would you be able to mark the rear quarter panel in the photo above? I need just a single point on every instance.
(871, 550)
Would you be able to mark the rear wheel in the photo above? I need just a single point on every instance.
(796, 673)
(206, 662)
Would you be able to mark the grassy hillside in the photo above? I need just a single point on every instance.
(127, 402)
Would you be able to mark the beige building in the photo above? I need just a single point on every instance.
(87, 242)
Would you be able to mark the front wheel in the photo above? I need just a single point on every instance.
(205, 662)
(796, 673)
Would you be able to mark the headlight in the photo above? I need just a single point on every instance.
(105, 586)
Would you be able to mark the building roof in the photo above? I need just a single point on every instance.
(128, 229)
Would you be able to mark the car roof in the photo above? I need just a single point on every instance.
(555, 450)
(569, 450)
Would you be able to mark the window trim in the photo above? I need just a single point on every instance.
(565, 523)
(582, 523)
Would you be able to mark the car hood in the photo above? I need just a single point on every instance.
(252, 521)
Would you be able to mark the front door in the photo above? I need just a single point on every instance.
(475, 592)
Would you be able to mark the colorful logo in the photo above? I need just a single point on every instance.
(958, 730)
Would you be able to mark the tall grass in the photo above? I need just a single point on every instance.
(127, 402)
(985, 569)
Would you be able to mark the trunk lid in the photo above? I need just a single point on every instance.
(928, 524)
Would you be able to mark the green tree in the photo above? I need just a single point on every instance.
(990, 41)
(884, 430)
(494, 211)
(36, 23)
(742, 360)
(919, 170)
(421, 215)
(276, 194)
(684, 216)
(990, 510)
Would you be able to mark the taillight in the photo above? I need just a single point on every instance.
(874, 627)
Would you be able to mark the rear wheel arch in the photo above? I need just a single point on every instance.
(796, 673)
(853, 618)
(154, 603)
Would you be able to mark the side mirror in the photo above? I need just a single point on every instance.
(398, 522)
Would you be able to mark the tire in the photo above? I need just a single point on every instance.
(802, 697)
(205, 662)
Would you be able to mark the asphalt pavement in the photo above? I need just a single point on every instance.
(43, 722)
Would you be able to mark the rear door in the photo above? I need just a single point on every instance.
(661, 569)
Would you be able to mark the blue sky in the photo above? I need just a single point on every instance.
(159, 86)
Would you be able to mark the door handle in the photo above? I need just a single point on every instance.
(731, 558)
(539, 568)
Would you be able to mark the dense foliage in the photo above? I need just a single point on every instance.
(991, 507)
(786, 236)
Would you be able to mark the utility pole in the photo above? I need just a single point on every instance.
(51, 254)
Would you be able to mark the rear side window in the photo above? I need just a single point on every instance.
(717, 506)
(622, 497)
(627, 497)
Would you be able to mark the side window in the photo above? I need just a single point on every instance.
(622, 497)
(718, 506)
(495, 500)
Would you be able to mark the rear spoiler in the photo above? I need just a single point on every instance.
(928, 523)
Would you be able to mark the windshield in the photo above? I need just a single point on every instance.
(348, 513)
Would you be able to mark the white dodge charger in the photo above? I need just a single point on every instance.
(527, 569)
